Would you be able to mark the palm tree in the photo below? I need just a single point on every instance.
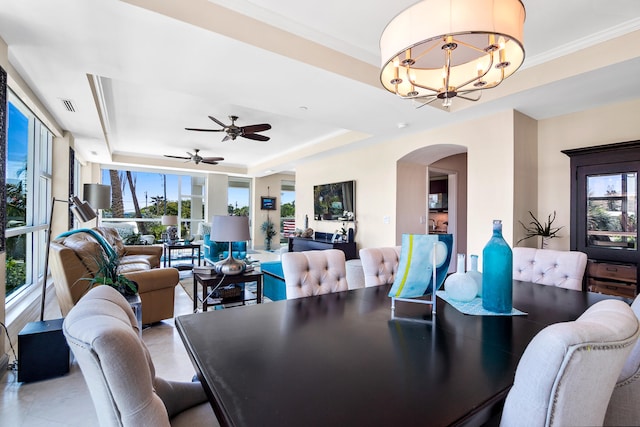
(142, 226)
(117, 206)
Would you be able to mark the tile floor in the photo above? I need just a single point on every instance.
(65, 401)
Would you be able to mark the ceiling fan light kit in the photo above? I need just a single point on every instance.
(442, 49)
(233, 131)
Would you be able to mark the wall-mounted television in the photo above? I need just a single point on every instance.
(268, 203)
(331, 201)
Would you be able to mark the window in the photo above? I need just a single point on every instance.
(287, 210)
(28, 187)
(140, 198)
(239, 196)
(612, 210)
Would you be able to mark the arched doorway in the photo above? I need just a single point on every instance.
(415, 214)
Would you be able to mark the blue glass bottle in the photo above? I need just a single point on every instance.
(497, 273)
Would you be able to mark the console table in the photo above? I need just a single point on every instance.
(300, 244)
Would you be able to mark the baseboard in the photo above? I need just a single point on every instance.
(4, 364)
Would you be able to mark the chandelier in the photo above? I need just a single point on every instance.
(442, 49)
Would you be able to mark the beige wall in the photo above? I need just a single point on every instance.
(411, 199)
(604, 125)
(525, 160)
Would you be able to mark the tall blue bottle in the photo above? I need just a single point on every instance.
(497, 273)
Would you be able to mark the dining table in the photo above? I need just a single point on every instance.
(344, 359)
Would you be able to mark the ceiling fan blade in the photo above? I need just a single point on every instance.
(217, 121)
(226, 138)
(212, 159)
(205, 130)
(178, 157)
(209, 162)
(256, 128)
(256, 137)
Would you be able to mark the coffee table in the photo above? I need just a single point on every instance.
(211, 282)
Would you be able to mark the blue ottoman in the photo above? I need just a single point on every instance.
(273, 286)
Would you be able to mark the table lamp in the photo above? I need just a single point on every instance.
(230, 229)
(171, 221)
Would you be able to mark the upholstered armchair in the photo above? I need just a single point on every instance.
(380, 265)
(564, 269)
(311, 273)
(568, 371)
(624, 406)
(73, 262)
(102, 332)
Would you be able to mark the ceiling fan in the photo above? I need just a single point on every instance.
(234, 131)
(197, 158)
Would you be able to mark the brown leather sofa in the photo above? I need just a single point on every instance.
(72, 259)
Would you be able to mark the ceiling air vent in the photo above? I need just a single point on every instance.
(68, 105)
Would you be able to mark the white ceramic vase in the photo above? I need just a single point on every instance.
(475, 274)
(460, 286)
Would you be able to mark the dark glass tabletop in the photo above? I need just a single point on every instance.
(340, 360)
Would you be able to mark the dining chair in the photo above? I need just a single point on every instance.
(624, 406)
(380, 265)
(310, 273)
(102, 332)
(564, 269)
(568, 371)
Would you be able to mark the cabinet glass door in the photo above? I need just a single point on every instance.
(612, 210)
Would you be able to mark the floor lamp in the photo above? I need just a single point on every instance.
(83, 212)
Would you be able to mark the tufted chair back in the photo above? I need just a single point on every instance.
(567, 372)
(102, 332)
(563, 269)
(379, 265)
(314, 272)
(624, 409)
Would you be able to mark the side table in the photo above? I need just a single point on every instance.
(169, 247)
(211, 282)
(136, 304)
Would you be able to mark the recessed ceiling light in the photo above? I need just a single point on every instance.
(303, 108)
(93, 152)
(402, 125)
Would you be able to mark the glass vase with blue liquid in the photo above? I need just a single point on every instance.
(497, 273)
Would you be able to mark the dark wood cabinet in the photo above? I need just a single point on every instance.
(604, 211)
(612, 278)
(300, 244)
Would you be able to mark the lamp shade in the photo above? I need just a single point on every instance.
(448, 48)
(229, 228)
(98, 195)
(169, 219)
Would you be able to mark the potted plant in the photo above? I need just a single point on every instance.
(535, 228)
(107, 274)
(269, 231)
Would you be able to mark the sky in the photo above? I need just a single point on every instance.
(17, 143)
